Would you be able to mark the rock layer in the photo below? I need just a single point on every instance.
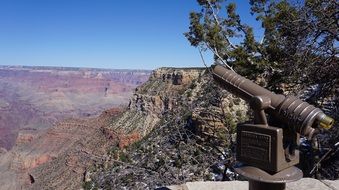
(38, 97)
(58, 157)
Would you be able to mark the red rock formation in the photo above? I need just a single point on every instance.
(127, 139)
(37, 97)
(58, 157)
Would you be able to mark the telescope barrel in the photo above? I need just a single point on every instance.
(290, 110)
(241, 86)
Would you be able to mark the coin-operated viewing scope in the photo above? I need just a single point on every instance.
(268, 146)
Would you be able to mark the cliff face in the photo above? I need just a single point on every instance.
(85, 147)
(42, 145)
(56, 158)
(37, 97)
(178, 127)
(151, 101)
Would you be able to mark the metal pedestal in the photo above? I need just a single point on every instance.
(261, 180)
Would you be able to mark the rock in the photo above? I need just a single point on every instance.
(24, 138)
(59, 157)
(127, 139)
(184, 126)
(307, 184)
(87, 176)
(36, 97)
(2, 151)
(211, 185)
(334, 184)
(158, 96)
(303, 184)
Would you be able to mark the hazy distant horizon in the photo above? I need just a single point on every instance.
(61, 66)
(99, 68)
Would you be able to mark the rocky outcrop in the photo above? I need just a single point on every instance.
(58, 157)
(159, 95)
(184, 121)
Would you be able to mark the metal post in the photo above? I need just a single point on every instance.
(261, 180)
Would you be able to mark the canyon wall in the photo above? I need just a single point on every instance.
(34, 98)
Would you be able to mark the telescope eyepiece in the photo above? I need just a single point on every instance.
(325, 121)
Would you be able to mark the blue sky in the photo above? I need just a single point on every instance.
(132, 34)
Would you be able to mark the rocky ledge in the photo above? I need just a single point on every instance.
(303, 184)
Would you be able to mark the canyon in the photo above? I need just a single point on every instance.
(177, 126)
(34, 98)
(47, 111)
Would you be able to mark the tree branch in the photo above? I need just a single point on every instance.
(218, 23)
